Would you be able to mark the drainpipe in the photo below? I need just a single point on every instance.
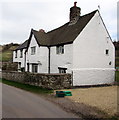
(25, 61)
(49, 60)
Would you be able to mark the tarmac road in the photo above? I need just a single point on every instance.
(17, 103)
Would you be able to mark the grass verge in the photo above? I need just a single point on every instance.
(31, 88)
(117, 77)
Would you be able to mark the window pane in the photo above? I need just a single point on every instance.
(60, 49)
(21, 53)
(107, 51)
(15, 54)
(34, 68)
(33, 50)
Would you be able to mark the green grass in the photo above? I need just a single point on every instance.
(6, 56)
(117, 61)
(31, 88)
(117, 76)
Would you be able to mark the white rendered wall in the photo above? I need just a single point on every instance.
(90, 62)
(62, 60)
(41, 56)
(19, 59)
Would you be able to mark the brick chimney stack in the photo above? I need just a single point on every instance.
(75, 13)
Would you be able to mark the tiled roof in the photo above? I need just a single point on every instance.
(64, 34)
(22, 46)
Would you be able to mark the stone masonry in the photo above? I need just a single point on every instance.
(49, 81)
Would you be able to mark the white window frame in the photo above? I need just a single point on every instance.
(33, 50)
(60, 49)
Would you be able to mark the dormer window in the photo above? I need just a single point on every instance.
(33, 50)
(60, 49)
(21, 53)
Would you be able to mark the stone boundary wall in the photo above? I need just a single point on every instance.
(49, 81)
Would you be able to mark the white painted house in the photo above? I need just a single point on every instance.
(82, 47)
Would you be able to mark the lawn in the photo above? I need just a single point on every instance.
(6, 56)
(117, 76)
(117, 61)
(31, 88)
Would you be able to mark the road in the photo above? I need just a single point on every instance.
(17, 103)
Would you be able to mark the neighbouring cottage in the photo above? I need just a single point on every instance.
(82, 47)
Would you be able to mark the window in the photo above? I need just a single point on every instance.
(19, 66)
(110, 63)
(15, 54)
(27, 67)
(34, 68)
(60, 49)
(21, 53)
(107, 52)
(33, 50)
(62, 70)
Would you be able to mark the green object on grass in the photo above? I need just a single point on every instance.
(68, 93)
(60, 94)
(63, 93)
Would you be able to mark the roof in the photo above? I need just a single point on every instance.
(64, 34)
(22, 46)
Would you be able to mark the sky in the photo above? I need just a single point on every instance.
(18, 17)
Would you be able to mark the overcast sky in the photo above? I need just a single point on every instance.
(17, 17)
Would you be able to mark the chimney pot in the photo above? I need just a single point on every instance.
(75, 4)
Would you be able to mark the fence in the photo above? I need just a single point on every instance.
(49, 81)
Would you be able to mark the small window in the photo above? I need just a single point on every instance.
(19, 66)
(21, 53)
(15, 54)
(110, 63)
(62, 70)
(34, 68)
(33, 50)
(107, 52)
(60, 49)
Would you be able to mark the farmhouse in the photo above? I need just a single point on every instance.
(82, 47)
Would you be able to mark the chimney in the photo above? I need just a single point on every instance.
(75, 4)
(75, 13)
(41, 30)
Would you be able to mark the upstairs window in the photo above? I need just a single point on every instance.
(60, 49)
(15, 54)
(107, 52)
(21, 53)
(33, 50)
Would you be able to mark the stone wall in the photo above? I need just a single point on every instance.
(50, 81)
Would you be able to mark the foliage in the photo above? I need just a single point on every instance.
(6, 56)
(6, 52)
(117, 77)
(117, 61)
